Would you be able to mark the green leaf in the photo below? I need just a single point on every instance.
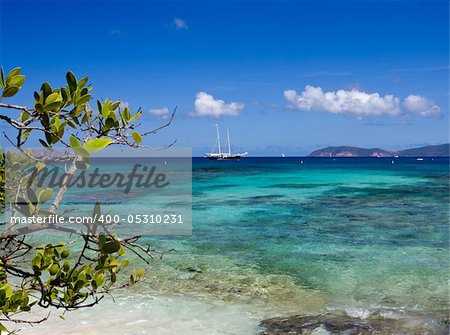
(45, 195)
(82, 82)
(10, 91)
(111, 247)
(112, 115)
(39, 166)
(82, 152)
(136, 137)
(126, 112)
(2, 77)
(49, 138)
(96, 144)
(121, 252)
(31, 195)
(24, 116)
(55, 106)
(74, 142)
(135, 116)
(53, 269)
(76, 112)
(39, 108)
(84, 99)
(105, 111)
(101, 240)
(44, 144)
(115, 105)
(8, 290)
(25, 308)
(64, 254)
(65, 93)
(25, 134)
(71, 81)
(52, 98)
(140, 273)
(99, 279)
(46, 89)
(12, 73)
(56, 122)
(55, 138)
(17, 80)
(71, 123)
(109, 123)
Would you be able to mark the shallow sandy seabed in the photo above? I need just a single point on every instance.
(156, 314)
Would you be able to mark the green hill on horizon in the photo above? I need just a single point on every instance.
(441, 150)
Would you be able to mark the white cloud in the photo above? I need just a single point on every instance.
(421, 105)
(206, 105)
(357, 103)
(162, 113)
(180, 23)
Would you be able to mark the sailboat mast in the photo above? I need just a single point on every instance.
(228, 141)
(218, 139)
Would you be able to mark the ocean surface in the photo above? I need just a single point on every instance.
(368, 237)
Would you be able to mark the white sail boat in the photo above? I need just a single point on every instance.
(224, 155)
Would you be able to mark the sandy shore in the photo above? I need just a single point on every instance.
(155, 314)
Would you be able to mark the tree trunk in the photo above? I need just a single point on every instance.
(67, 178)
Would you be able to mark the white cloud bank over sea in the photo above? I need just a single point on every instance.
(358, 103)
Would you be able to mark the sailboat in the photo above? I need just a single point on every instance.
(224, 155)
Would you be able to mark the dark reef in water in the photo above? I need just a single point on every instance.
(343, 325)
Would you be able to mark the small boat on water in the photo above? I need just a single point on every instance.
(419, 159)
(224, 155)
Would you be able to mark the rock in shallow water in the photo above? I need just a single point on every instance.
(328, 324)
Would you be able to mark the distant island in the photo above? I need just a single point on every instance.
(441, 150)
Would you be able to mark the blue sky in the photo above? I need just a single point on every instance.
(285, 76)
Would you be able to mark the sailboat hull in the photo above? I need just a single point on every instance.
(223, 157)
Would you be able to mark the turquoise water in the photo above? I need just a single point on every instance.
(353, 234)
(275, 236)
